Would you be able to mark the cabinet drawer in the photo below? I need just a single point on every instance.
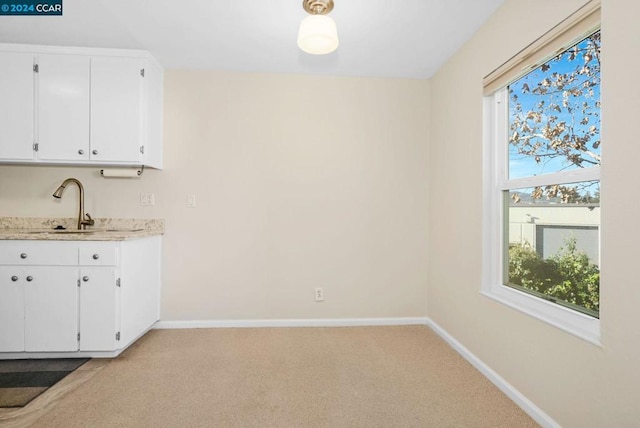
(41, 253)
(99, 254)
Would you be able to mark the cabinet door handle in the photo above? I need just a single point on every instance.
(29, 278)
(23, 255)
(80, 152)
(95, 152)
(85, 278)
(14, 278)
(96, 256)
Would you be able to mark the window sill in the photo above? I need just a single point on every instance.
(580, 325)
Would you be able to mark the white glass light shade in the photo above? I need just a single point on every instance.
(318, 35)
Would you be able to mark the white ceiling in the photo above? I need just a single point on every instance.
(382, 38)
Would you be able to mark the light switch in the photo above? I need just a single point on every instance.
(191, 201)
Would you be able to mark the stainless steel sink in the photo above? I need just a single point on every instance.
(56, 231)
(77, 231)
(70, 231)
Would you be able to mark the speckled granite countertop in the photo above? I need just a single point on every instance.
(105, 229)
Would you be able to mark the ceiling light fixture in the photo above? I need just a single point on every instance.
(318, 34)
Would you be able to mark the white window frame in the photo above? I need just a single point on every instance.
(495, 167)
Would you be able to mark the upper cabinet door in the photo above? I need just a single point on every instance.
(116, 109)
(63, 107)
(16, 106)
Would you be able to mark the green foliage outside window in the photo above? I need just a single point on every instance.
(568, 276)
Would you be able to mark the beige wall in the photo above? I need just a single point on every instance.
(578, 384)
(301, 182)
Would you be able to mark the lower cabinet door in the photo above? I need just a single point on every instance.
(11, 309)
(51, 309)
(99, 317)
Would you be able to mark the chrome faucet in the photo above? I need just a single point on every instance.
(82, 222)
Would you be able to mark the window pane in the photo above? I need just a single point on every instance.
(554, 113)
(554, 244)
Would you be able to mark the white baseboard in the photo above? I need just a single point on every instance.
(328, 322)
(523, 402)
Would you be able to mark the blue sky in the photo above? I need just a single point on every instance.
(523, 165)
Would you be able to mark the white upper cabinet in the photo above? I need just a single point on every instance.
(80, 106)
(63, 107)
(116, 109)
(16, 106)
(153, 89)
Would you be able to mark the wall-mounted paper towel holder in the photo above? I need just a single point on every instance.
(122, 172)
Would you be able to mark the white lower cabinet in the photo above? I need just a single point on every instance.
(99, 309)
(11, 309)
(76, 298)
(38, 309)
(51, 309)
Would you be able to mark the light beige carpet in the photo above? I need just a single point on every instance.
(288, 377)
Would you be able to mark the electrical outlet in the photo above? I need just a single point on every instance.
(191, 201)
(147, 199)
(319, 294)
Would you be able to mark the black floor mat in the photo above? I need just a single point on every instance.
(23, 380)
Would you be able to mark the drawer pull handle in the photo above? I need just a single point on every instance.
(23, 255)
(29, 278)
(14, 278)
(80, 152)
(85, 278)
(95, 152)
(96, 256)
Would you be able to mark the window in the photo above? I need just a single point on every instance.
(542, 178)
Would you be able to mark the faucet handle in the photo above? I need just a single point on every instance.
(89, 222)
